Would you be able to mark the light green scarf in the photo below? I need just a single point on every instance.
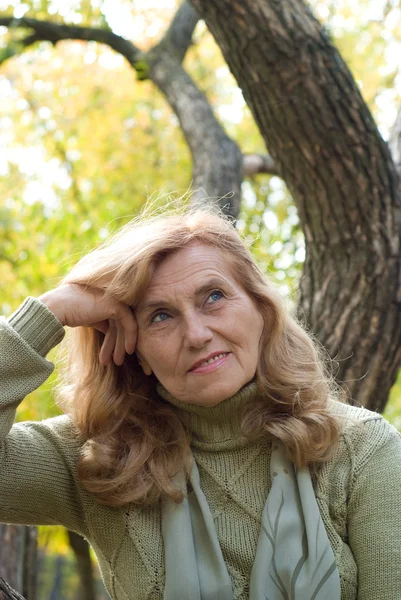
(294, 559)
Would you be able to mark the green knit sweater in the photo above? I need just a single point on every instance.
(358, 490)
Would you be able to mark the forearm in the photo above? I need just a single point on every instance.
(37, 459)
(25, 339)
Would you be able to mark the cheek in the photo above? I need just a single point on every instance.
(157, 350)
(254, 330)
(146, 347)
(260, 325)
(141, 342)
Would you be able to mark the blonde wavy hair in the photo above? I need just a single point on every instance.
(133, 441)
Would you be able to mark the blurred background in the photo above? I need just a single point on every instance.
(85, 140)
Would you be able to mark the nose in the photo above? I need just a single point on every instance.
(197, 332)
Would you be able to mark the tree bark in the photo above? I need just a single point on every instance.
(30, 563)
(18, 558)
(339, 170)
(7, 593)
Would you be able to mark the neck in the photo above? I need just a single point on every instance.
(214, 427)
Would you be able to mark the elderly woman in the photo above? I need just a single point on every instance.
(203, 453)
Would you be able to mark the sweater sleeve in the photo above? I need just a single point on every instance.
(374, 515)
(37, 478)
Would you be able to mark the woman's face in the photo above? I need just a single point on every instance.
(198, 330)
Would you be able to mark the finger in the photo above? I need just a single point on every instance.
(131, 336)
(109, 342)
(127, 319)
(101, 326)
(119, 348)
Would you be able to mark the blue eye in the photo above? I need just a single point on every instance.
(216, 295)
(163, 316)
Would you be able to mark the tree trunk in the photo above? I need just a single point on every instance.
(18, 558)
(84, 566)
(341, 175)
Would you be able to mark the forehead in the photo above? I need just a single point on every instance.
(189, 265)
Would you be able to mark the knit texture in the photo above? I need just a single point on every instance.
(358, 491)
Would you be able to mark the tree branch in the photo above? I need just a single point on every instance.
(217, 159)
(56, 32)
(254, 164)
(178, 36)
(7, 593)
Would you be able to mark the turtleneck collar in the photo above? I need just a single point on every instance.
(214, 427)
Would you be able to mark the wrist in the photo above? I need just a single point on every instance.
(51, 303)
(37, 325)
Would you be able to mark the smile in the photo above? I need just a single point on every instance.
(211, 364)
(212, 360)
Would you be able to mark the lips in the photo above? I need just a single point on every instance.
(208, 359)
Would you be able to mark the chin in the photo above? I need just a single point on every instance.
(214, 398)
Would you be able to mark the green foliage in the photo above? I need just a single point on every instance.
(269, 224)
(392, 411)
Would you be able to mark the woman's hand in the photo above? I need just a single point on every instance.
(76, 305)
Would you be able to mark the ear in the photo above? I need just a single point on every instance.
(145, 367)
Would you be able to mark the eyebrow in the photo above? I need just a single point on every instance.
(215, 282)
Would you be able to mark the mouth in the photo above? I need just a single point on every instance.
(209, 362)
